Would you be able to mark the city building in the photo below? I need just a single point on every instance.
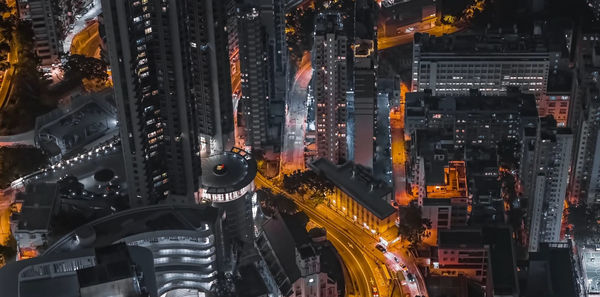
(446, 213)
(254, 65)
(47, 45)
(474, 119)
(31, 224)
(438, 169)
(171, 77)
(114, 270)
(488, 61)
(486, 255)
(329, 86)
(585, 176)
(365, 102)
(359, 197)
(552, 272)
(547, 193)
(364, 67)
(228, 184)
(312, 282)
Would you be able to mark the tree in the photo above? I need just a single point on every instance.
(80, 67)
(413, 226)
(584, 220)
(9, 250)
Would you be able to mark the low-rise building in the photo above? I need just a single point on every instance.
(30, 226)
(358, 196)
(483, 254)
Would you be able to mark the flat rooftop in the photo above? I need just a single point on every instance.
(460, 238)
(356, 182)
(38, 204)
(228, 172)
(473, 43)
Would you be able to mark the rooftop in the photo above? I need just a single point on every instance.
(357, 182)
(464, 238)
(113, 228)
(473, 43)
(38, 203)
(551, 272)
(228, 172)
(502, 260)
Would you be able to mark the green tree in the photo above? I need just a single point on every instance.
(413, 227)
(80, 66)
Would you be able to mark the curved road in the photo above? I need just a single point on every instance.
(292, 156)
(356, 248)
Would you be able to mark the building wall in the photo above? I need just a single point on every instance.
(470, 262)
(330, 86)
(365, 102)
(315, 285)
(354, 211)
(255, 86)
(553, 160)
(46, 42)
(169, 66)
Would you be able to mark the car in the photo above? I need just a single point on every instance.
(380, 247)
(375, 292)
(396, 259)
(403, 266)
(410, 277)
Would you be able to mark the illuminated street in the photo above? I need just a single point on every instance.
(87, 42)
(405, 34)
(399, 153)
(292, 158)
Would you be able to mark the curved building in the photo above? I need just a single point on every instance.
(184, 241)
(228, 184)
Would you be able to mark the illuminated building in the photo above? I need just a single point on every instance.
(437, 167)
(330, 86)
(45, 40)
(312, 282)
(169, 64)
(364, 82)
(473, 119)
(358, 196)
(254, 76)
(547, 193)
(365, 102)
(114, 270)
(486, 255)
(228, 184)
(585, 175)
(490, 62)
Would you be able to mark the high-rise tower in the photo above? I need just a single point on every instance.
(169, 64)
(330, 85)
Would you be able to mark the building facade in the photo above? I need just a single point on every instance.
(359, 197)
(330, 86)
(490, 62)
(547, 194)
(169, 64)
(254, 77)
(45, 41)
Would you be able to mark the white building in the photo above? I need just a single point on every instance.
(312, 282)
(551, 175)
(451, 65)
(329, 86)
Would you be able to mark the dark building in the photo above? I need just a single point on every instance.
(172, 86)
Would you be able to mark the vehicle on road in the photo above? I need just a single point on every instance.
(396, 259)
(410, 277)
(380, 247)
(375, 292)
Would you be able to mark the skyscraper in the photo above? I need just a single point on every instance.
(364, 81)
(553, 150)
(254, 72)
(329, 86)
(169, 63)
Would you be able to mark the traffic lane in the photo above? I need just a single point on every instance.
(356, 262)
